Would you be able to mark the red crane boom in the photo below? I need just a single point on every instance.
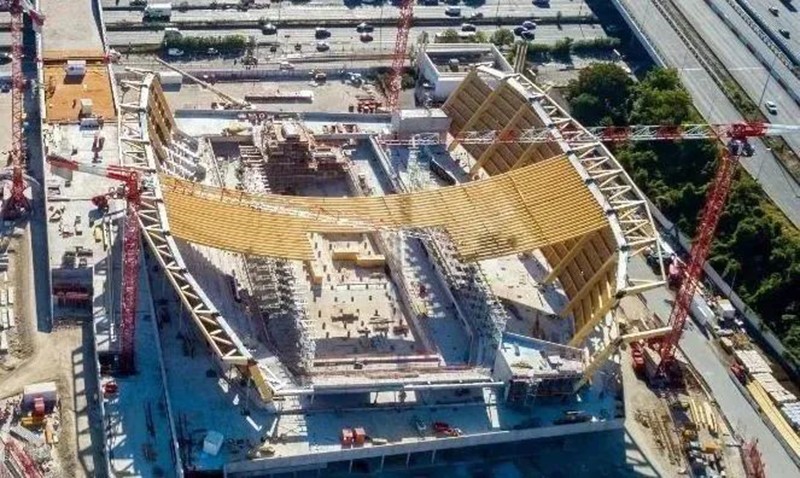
(399, 56)
(131, 248)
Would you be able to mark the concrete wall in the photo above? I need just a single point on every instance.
(254, 467)
(445, 83)
(648, 45)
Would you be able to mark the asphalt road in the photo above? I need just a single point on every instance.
(337, 10)
(715, 106)
(347, 39)
(788, 18)
(744, 66)
(566, 6)
(741, 415)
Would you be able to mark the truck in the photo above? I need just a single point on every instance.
(158, 11)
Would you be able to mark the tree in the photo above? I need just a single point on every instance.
(479, 37)
(449, 36)
(562, 49)
(610, 85)
(502, 37)
(661, 99)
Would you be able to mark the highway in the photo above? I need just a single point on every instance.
(489, 7)
(347, 39)
(323, 10)
(740, 414)
(715, 106)
(788, 18)
(743, 64)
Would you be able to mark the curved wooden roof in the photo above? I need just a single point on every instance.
(522, 210)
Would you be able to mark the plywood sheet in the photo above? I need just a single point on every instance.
(519, 211)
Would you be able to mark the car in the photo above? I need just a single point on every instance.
(212, 51)
(298, 46)
(784, 32)
(529, 35)
(285, 65)
(269, 29)
(529, 25)
(541, 3)
(773, 10)
(468, 27)
(5, 58)
(365, 37)
(771, 107)
(452, 11)
(518, 30)
(323, 46)
(476, 15)
(321, 32)
(364, 27)
(273, 48)
(174, 52)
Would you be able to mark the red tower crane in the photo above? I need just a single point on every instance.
(131, 247)
(399, 56)
(17, 203)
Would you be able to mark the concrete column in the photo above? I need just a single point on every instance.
(408, 459)
(350, 469)
(383, 459)
(433, 456)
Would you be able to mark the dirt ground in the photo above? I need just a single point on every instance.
(41, 357)
(61, 92)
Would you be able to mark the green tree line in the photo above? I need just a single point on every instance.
(756, 249)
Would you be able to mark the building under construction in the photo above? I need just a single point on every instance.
(320, 293)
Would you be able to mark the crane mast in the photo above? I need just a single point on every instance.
(399, 56)
(17, 203)
(131, 250)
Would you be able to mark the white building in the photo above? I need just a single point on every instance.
(442, 66)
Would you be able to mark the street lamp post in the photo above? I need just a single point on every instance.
(766, 82)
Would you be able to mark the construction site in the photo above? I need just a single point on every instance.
(317, 293)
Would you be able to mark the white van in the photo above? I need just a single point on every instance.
(453, 11)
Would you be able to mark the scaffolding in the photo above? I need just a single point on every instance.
(467, 282)
(293, 156)
(278, 298)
